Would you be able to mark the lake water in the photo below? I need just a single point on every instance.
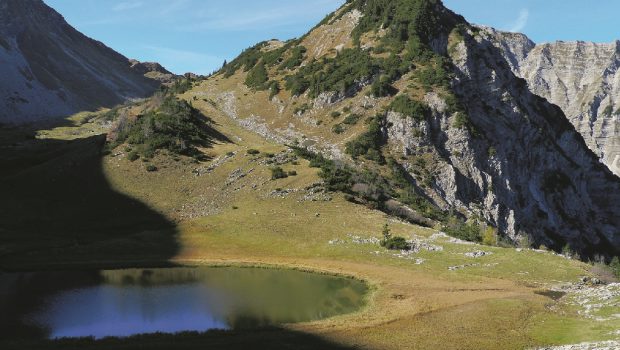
(128, 302)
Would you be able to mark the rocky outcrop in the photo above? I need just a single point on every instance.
(582, 78)
(153, 70)
(49, 69)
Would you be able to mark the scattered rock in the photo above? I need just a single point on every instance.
(477, 254)
(458, 267)
(316, 193)
(418, 245)
(606, 345)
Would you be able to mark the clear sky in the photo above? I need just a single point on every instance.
(197, 35)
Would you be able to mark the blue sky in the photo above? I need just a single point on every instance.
(197, 35)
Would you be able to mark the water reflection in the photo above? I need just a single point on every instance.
(127, 302)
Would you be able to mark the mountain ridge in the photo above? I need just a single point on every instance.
(53, 70)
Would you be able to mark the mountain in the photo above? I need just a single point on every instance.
(423, 116)
(582, 78)
(49, 69)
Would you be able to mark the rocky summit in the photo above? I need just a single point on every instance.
(50, 70)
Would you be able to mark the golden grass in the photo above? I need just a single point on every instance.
(491, 305)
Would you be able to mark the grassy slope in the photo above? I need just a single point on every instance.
(492, 305)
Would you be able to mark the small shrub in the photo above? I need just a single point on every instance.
(461, 121)
(253, 152)
(395, 243)
(352, 119)
(151, 168)
(462, 230)
(278, 173)
(335, 114)
(381, 87)
(274, 89)
(369, 143)
(301, 109)
(133, 156)
(615, 266)
(292, 173)
(489, 237)
(257, 77)
(410, 108)
(338, 129)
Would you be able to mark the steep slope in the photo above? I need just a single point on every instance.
(582, 78)
(428, 111)
(49, 69)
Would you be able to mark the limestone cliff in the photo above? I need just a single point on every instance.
(581, 77)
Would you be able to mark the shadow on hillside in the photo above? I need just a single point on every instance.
(270, 338)
(57, 207)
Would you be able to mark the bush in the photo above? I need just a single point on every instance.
(410, 108)
(369, 143)
(292, 173)
(278, 173)
(462, 230)
(175, 126)
(297, 57)
(133, 156)
(352, 119)
(381, 87)
(151, 168)
(338, 129)
(615, 266)
(335, 115)
(490, 236)
(274, 89)
(461, 121)
(336, 74)
(253, 152)
(336, 177)
(257, 77)
(395, 243)
(434, 75)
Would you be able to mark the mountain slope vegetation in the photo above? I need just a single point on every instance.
(388, 116)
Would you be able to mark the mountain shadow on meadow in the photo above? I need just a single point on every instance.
(57, 206)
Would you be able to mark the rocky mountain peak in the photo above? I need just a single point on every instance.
(51, 70)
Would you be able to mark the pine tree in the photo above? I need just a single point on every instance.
(386, 232)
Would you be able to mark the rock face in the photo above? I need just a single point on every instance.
(50, 70)
(582, 78)
(527, 170)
